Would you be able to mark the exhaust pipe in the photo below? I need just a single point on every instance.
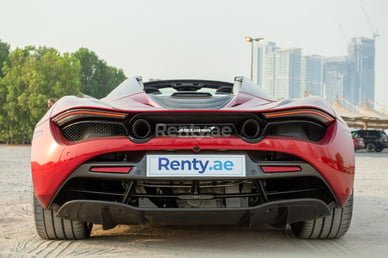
(250, 129)
(141, 129)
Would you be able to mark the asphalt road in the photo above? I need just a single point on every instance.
(367, 237)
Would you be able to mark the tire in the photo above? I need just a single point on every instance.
(48, 226)
(333, 226)
(370, 147)
(379, 149)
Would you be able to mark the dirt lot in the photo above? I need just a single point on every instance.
(367, 237)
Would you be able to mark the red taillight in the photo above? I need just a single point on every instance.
(277, 169)
(111, 169)
(295, 113)
(74, 114)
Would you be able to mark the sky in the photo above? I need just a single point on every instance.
(167, 39)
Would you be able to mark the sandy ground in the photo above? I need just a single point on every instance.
(367, 237)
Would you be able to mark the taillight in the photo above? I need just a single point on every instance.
(74, 114)
(313, 114)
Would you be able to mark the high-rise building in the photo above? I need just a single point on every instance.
(277, 71)
(260, 51)
(362, 58)
(312, 74)
(288, 73)
(337, 78)
(285, 73)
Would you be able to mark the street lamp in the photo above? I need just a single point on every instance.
(252, 41)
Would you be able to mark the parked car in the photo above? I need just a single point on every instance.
(358, 142)
(375, 140)
(192, 152)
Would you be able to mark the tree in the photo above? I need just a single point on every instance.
(31, 77)
(4, 52)
(97, 78)
(51, 76)
(12, 85)
(2, 113)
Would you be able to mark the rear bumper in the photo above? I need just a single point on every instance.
(53, 165)
(110, 214)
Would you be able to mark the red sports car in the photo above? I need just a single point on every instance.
(192, 152)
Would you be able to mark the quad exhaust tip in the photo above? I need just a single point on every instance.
(141, 129)
(250, 129)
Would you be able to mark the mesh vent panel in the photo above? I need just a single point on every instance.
(91, 129)
(300, 129)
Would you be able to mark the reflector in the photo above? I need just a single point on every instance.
(111, 169)
(274, 169)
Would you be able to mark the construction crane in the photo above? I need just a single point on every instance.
(375, 34)
(343, 33)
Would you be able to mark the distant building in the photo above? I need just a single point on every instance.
(337, 79)
(277, 71)
(260, 51)
(285, 73)
(312, 74)
(362, 60)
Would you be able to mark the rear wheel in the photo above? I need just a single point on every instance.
(371, 147)
(333, 226)
(48, 226)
